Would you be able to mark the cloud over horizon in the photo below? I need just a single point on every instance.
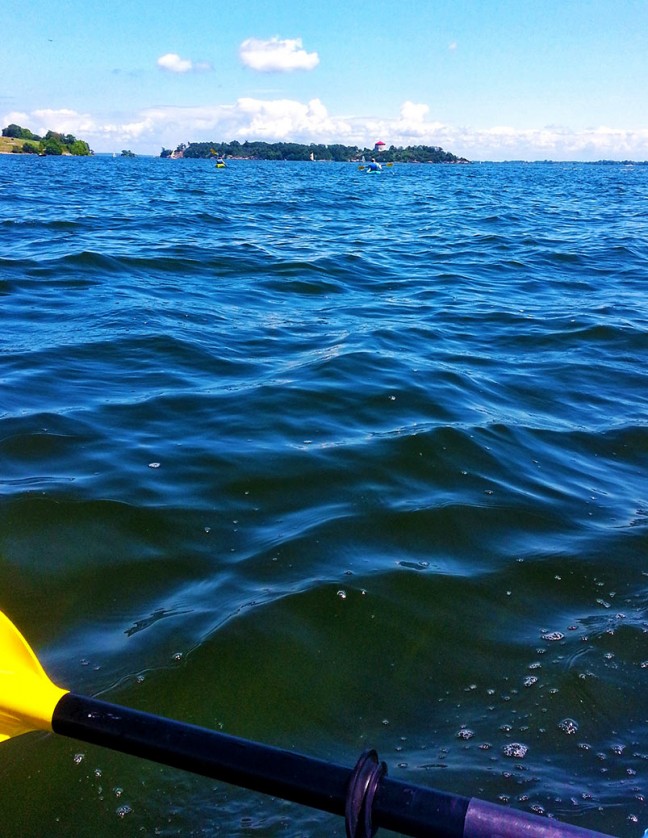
(277, 55)
(275, 120)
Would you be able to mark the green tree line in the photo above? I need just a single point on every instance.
(297, 151)
(52, 143)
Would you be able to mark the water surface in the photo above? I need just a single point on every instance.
(328, 461)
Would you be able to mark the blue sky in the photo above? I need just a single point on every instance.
(485, 79)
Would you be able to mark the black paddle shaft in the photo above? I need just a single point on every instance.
(408, 809)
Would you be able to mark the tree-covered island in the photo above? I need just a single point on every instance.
(17, 140)
(296, 151)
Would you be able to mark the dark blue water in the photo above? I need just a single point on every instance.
(328, 461)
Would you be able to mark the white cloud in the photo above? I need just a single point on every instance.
(273, 120)
(173, 63)
(553, 143)
(277, 55)
(286, 119)
(413, 113)
(63, 120)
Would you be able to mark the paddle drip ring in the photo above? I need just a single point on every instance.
(363, 785)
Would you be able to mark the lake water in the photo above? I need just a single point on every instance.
(328, 461)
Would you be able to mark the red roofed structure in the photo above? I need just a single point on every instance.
(379, 146)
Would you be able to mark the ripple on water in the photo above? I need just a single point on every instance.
(374, 449)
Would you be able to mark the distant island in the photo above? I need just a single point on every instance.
(322, 153)
(17, 140)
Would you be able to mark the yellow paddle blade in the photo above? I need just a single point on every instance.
(27, 696)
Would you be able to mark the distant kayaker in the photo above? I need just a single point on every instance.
(374, 166)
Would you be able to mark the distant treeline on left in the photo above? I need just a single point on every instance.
(52, 143)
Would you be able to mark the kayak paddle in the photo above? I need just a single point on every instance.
(366, 797)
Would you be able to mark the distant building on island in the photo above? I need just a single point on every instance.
(379, 146)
